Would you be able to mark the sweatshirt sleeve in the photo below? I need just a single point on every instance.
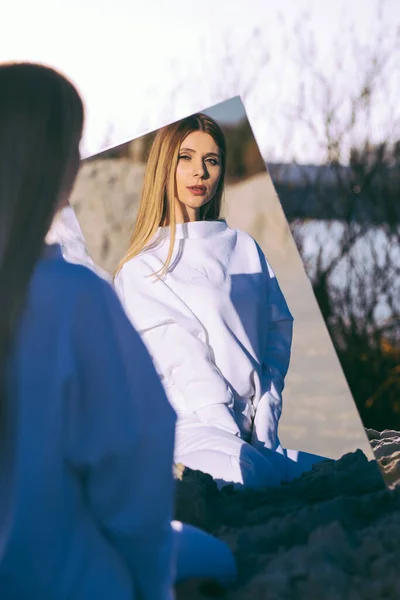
(275, 363)
(121, 431)
(179, 347)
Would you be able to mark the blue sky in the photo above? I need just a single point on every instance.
(231, 111)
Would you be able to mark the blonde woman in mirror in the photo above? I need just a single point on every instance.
(211, 313)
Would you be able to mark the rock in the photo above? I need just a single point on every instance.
(195, 492)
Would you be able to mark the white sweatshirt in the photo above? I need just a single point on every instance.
(85, 476)
(217, 326)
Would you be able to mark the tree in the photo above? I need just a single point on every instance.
(354, 265)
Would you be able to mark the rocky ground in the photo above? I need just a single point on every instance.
(332, 534)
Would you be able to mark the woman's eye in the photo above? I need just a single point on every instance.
(213, 161)
(185, 156)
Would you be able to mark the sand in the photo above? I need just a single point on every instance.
(332, 534)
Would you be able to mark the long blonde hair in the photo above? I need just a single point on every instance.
(158, 200)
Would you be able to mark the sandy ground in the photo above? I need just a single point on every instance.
(319, 413)
(332, 534)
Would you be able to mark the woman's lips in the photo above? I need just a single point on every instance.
(198, 190)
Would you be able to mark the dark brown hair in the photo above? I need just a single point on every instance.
(41, 121)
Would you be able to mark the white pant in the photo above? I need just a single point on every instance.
(229, 459)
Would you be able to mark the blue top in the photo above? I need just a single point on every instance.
(86, 449)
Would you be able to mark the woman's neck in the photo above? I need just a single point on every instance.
(180, 220)
(186, 214)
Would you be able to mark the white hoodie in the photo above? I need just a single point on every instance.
(217, 326)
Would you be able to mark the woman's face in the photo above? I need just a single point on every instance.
(197, 174)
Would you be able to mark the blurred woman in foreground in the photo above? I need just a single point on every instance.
(85, 475)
